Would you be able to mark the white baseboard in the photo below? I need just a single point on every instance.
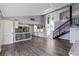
(16, 41)
(23, 40)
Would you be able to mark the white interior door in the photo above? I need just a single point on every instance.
(8, 31)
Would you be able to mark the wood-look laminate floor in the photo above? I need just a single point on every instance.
(37, 47)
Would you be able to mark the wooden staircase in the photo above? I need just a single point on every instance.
(62, 30)
(63, 33)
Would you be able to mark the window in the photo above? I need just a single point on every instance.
(52, 18)
(48, 19)
(38, 28)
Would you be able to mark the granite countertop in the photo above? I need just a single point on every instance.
(74, 51)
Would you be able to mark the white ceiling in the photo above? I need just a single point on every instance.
(25, 9)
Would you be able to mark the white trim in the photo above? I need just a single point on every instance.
(22, 40)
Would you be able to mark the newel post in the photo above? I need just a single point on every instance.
(70, 16)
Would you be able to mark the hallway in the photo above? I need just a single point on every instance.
(37, 47)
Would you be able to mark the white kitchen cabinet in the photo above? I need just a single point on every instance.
(22, 32)
(8, 32)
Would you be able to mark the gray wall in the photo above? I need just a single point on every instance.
(40, 19)
(37, 18)
(74, 34)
